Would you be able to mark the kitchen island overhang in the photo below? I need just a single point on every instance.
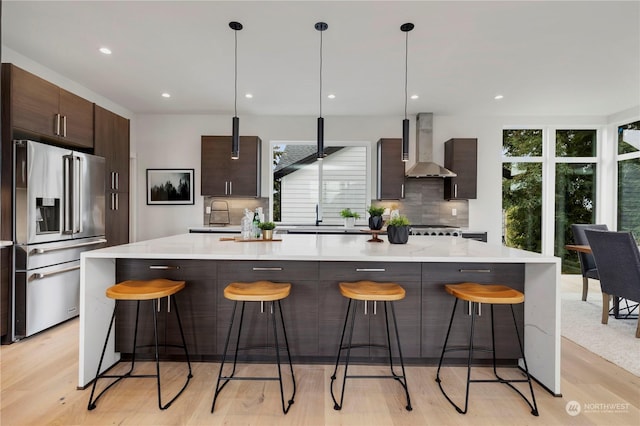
(541, 281)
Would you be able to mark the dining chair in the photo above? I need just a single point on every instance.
(587, 265)
(617, 258)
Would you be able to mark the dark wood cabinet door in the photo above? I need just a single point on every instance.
(112, 143)
(390, 177)
(77, 119)
(197, 305)
(460, 156)
(117, 218)
(437, 305)
(5, 257)
(34, 103)
(223, 177)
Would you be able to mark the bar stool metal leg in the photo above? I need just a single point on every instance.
(401, 379)
(285, 410)
(350, 310)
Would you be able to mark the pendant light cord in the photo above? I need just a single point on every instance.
(320, 74)
(235, 72)
(406, 67)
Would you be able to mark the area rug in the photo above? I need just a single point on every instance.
(615, 342)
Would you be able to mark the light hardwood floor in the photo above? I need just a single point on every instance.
(39, 376)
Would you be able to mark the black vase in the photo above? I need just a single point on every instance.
(398, 234)
(375, 222)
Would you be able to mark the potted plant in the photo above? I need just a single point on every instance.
(375, 217)
(398, 230)
(349, 217)
(267, 230)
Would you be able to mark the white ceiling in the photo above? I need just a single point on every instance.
(545, 57)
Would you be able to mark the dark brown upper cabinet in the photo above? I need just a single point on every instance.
(223, 177)
(390, 177)
(461, 157)
(45, 109)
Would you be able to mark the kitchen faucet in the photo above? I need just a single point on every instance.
(318, 220)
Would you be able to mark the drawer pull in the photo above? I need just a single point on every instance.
(484, 271)
(370, 270)
(267, 269)
(163, 267)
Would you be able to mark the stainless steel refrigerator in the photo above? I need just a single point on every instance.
(59, 212)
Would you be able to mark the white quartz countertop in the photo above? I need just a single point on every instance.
(319, 247)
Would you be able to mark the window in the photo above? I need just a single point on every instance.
(522, 188)
(305, 190)
(570, 156)
(629, 178)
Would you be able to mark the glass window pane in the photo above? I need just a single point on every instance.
(629, 138)
(522, 142)
(295, 183)
(303, 186)
(576, 143)
(522, 205)
(575, 202)
(629, 196)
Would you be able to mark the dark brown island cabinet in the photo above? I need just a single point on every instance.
(41, 108)
(461, 157)
(112, 143)
(314, 311)
(223, 177)
(390, 176)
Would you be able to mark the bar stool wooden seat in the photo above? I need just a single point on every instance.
(369, 291)
(475, 294)
(258, 291)
(151, 290)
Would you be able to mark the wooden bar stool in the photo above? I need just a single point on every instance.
(138, 291)
(493, 295)
(369, 291)
(258, 291)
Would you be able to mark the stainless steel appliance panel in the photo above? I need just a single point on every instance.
(40, 255)
(46, 297)
(90, 210)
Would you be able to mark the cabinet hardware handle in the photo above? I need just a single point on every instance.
(375, 307)
(117, 201)
(267, 269)
(113, 201)
(365, 307)
(230, 188)
(370, 270)
(402, 191)
(42, 275)
(113, 180)
(117, 174)
(226, 187)
(64, 126)
(46, 250)
(484, 271)
(163, 267)
(57, 130)
(455, 190)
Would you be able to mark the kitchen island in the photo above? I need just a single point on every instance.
(314, 264)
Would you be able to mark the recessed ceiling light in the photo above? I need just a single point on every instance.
(414, 96)
(248, 96)
(105, 50)
(166, 95)
(331, 96)
(498, 97)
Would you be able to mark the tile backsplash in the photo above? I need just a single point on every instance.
(424, 204)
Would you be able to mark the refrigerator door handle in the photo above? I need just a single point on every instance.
(67, 195)
(77, 199)
(42, 250)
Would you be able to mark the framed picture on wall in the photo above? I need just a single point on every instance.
(170, 186)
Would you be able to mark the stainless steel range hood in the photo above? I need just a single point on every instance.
(425, 167)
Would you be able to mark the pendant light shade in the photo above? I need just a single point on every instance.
(320, 26)
(235, 122)
(405, 28)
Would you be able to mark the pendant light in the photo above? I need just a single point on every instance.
(405, 123)
(235, 121)
(320, 26)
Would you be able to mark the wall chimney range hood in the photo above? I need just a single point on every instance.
(425, 167)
